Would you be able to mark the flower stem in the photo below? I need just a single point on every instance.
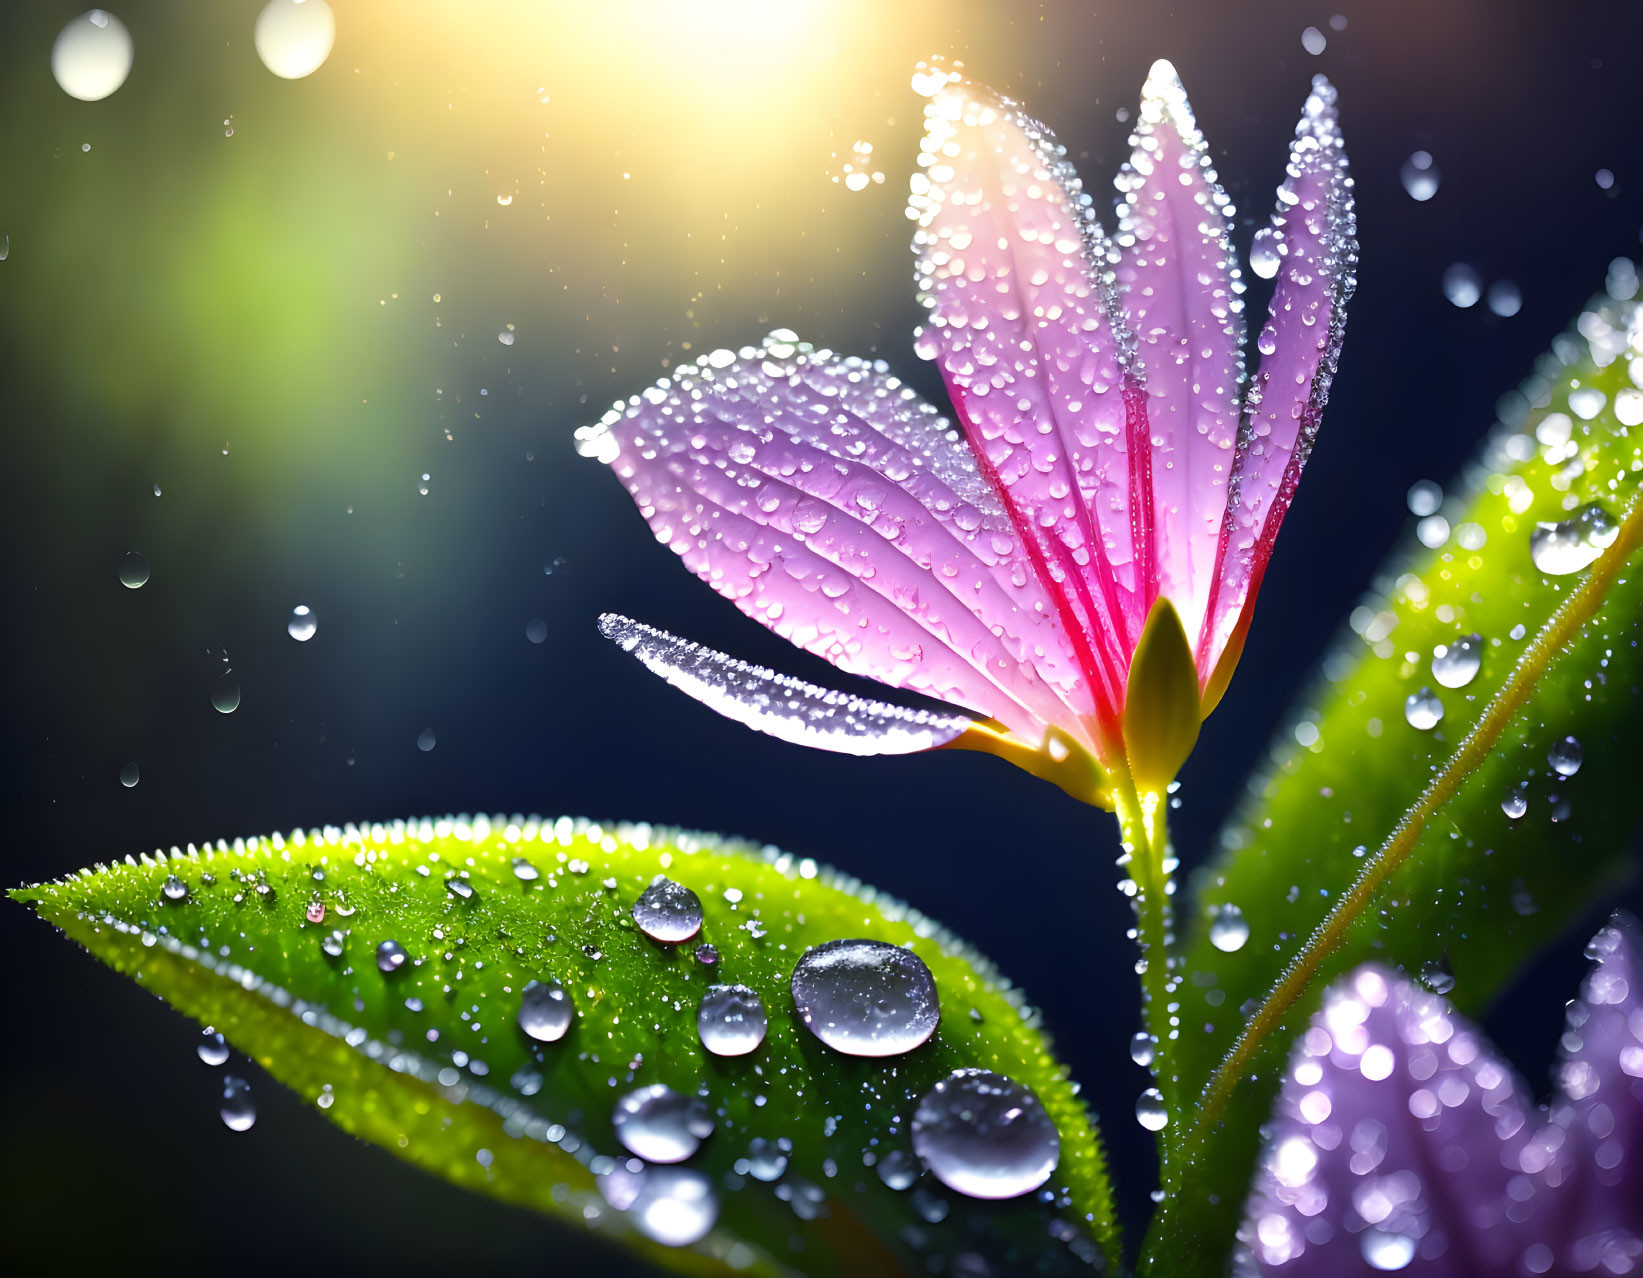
(1141, 824)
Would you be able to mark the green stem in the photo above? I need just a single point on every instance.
(1142, 826)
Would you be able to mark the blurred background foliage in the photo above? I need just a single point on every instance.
(240, 354)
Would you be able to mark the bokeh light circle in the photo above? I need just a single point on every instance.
(294, 37)
(92, 56)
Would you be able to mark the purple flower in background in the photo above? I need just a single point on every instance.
(1075, 565)
(1401, 1140)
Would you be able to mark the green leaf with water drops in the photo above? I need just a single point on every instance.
(1459, 782)
(403, 978)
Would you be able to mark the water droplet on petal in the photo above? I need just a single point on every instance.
(303, 624)
(1229, 929)
(1265, 253)
(985, 1135)
(238, 1110)
(391, 956)
(1150, 1111)
(866, 998)
(1423, 710)
(661, 1125)
(668, 912)
(92, 56)
(212, 1048)
(294, 37)
(545, 1010)
(1456, 664)
(1565, 757)
(731, 1020)
(133, 570)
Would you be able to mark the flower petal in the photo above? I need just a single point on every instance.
(1184, 302)
(1314, 228)
(789, 708)
(835, 506)
(1017, 276)
(1398, 1142)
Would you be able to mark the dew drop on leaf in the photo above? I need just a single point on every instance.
(1456, 663)
(866, 998)
(212, 1048)
(1229, 929)
(238, 1110)
(1423, 710)
(391, 956)
(174, 888)
(1565, 757)
(731, 1020)
(661, 1125)
(545, 1010)
(985, 1135)
(668, 912)
(1561, 548)
(1143, 1047)
(1150, 1111)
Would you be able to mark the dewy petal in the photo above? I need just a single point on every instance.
(1024, 325)
(1314, 229)
(1183, 299)
(834, 505)
(1401, 1141)
(1397, 1143)
(779, 704)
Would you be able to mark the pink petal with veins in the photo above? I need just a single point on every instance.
(832, 504)
(1315, 229)
(1017, 276)
(1183, 300)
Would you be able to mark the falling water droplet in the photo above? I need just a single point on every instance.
(1229, 929)
(1456, 664)
(674, 1206)
(1143, 1048)
(1150, 1111)
(536, 630)
(238, 1110)
(731, 1020)
(1515, 804)
(866, 998)
(212, 1048)
(661, 1125)
(1265, 253)
(1572, 544)
(545, 1010)
(1462, 286)
(426, 740)
(225, 694)
(1423, 710)
(133, 570)
(985, 1135)
(294, 37)
(92, 56)
(668, 912)
(174, 888)
(391, 956)
(1420, 176)
(1565, 757)
(303, 623)
(130, 775)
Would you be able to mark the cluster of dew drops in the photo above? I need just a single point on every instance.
(978, 1132)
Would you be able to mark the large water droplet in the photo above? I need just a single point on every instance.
(391, 956)
(212, 1048)
(1456, 664)
(866, 998)
(731, 1020)
(92, 56)
(1572, 544)
(661, 1125)
(1386, 1251)
(225, 694)
(674, 1206)
(1420, 176)
(133, 570)
(1565, 757)
(238, 1110)
(1423, 710)
(985, 1135)
(130, 775)
(1265, 253)
(1229, 929)
(668, 912)
(303, 623)
(545, 1010)
(1143, 1047)
(1150, 1111)
(294, 37)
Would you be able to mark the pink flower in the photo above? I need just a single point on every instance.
(1076, 563)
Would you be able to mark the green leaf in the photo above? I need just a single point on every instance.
(1371, 836)
(429, 1061)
